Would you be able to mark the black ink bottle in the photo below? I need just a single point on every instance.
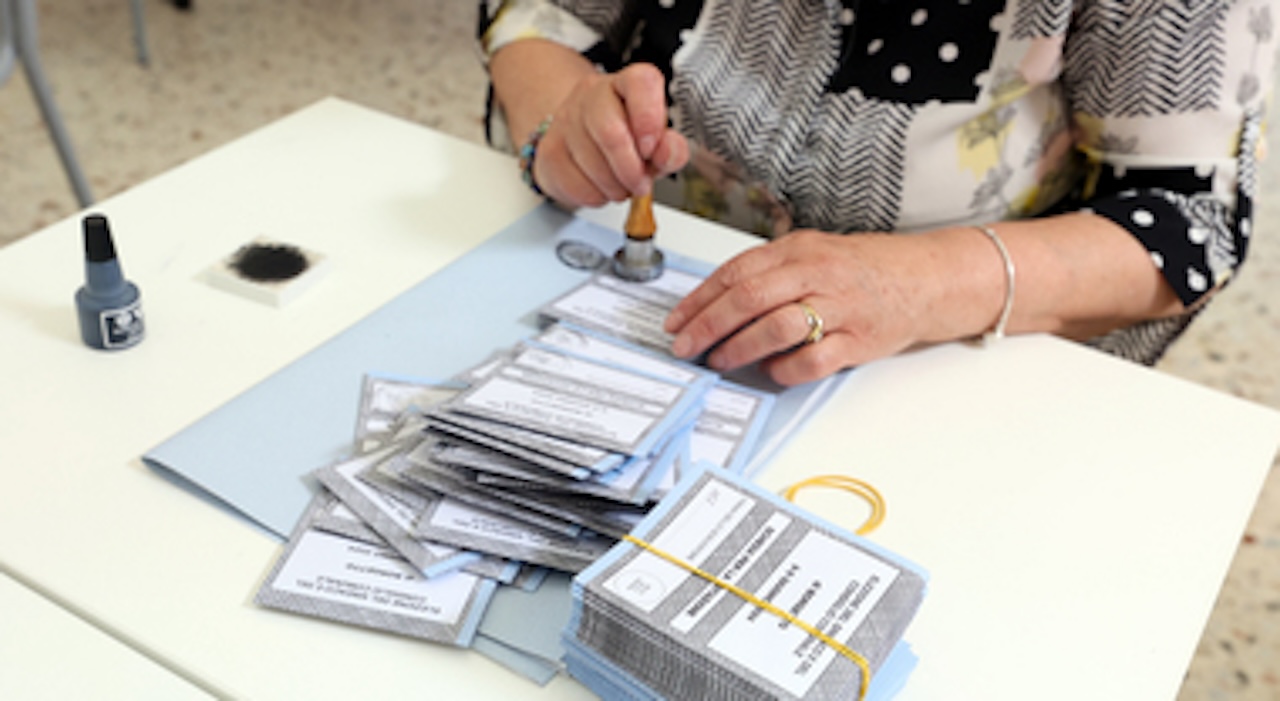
(109, 306)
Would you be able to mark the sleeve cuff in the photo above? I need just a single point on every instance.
(536, 19)
(1187, 237)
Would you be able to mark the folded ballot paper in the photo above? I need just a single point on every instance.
(672, 611)
(331, 576)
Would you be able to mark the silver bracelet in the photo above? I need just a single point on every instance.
(997, 333)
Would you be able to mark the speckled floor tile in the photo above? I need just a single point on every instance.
(1234, 346)
(220, 71)
(234, 65)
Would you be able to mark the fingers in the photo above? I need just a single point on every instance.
(670, 155)
(753, 287)
(641, 89)
(814, 361)
(594, 163)
(754, 308)
(608, 133)
(781, 330)
(609, 139)
(562, 180)
(742, 267)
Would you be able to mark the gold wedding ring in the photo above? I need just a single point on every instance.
(812, 318)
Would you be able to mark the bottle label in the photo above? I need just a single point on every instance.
(123, 326)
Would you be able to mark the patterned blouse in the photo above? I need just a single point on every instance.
(902, 115)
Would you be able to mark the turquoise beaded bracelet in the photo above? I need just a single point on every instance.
(530, 150)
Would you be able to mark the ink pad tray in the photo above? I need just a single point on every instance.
(268, 271)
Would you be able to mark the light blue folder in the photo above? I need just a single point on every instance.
(252, 454)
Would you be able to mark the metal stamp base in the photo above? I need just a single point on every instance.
(638, 261)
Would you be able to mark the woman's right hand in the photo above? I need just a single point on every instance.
(608, 139)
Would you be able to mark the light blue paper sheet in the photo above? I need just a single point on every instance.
(531, 622)
(531, 667)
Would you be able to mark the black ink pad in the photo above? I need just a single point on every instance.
(264, 262)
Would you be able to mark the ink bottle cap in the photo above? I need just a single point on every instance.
(109, 306)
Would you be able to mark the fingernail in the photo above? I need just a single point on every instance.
(673, 322)
(646, 146)
(681, 346)
(717, 362)
(670, 165)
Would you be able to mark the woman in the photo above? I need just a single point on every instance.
(1082, 168)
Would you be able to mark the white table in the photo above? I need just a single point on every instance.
(46, 652)
(1077, 513)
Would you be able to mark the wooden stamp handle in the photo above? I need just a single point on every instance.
(640, 223)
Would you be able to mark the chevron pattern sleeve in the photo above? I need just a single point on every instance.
(1166, 100)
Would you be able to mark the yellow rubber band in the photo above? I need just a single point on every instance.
(852, 485)
(747, 596)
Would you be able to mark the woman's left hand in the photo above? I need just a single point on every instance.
(872, 292)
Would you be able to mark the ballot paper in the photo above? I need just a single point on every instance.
(384, 400)
(630, 311)
(731, 416)
(586, 343)
(563, 513)
(610, 682)
(393, 521)
(329, 576)
(444, 479)
(448, 520)
(642, 623)
(728, 426)
(632, 483)
(583, 400)
(438, 515)
(334, 517)
(563, 456)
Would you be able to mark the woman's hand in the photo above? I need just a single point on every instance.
(609, 139)
(873, 292)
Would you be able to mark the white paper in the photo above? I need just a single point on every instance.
(636, 320)
(451, 521)
(824, 583)
(694, 534)
(581, 400)
(341, 570)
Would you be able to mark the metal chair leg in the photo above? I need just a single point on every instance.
(7, 57)
(25, 39)
(139, 12)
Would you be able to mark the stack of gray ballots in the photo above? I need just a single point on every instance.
(646, 626)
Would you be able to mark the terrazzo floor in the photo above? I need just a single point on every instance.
(230, 66)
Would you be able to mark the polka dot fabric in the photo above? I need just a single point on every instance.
(1176, 245)
(913, 52)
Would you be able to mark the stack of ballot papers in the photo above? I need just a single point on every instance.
(670, 613)
(467, 503)
(536, 459)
